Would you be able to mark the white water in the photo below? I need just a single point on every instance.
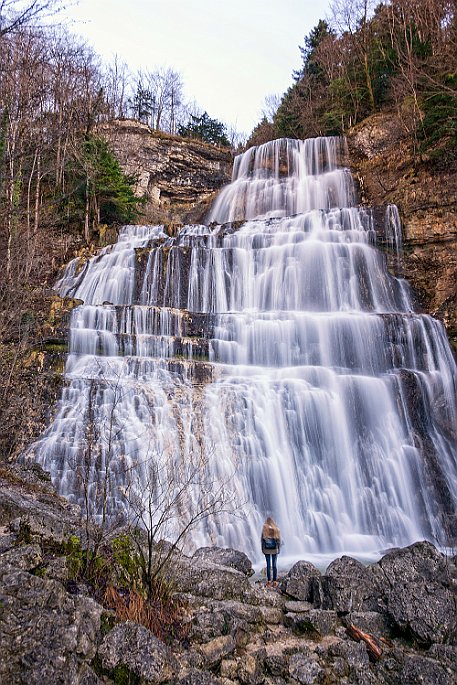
(299, 403)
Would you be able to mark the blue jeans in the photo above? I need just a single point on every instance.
(271, 560)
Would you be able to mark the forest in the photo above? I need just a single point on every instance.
(368, 57)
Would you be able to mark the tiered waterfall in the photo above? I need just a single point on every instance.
(266, 363)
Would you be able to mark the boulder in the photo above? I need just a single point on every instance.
(371, 622)
(424, 611)
(46, 634)
(205, 579)
(419, 594)
(347, 586)
(298, 582)
(225, 557)
(134, 648)
(20, 558)
(420, 669)
(317, 622)
(418, 562)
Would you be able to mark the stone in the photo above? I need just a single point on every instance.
(45, 516)
(133, 647)
(298, 582)
(318, 622)
(197, 677)
(271, 615)
(206, 625)
(298, 607)
(176, 176)
(215, 650)
(217, 582)
(354, 654)
(226, 557)
(250, 668)
(420, 669)
(46, 634)
(306, 671)
(347, 586)
(445, 655)
(417, 562)
(371, 622)
(425, 611)
(228, 668)
(23, 557)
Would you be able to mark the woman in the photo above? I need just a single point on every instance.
(271, 542)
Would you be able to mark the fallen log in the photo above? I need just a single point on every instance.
(374, 651)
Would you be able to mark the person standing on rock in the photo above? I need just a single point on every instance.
(271, 543)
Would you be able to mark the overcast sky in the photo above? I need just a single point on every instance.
(230, 53)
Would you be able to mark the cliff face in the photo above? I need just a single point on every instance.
(177, 177)
(426, 196)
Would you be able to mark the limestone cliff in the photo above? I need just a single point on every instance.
(176, 176)
(426, 195)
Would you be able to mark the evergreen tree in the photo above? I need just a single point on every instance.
(206, 129)
(101, 192)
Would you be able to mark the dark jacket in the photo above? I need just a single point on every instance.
(274, 550)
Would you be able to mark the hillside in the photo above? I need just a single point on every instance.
(426, 196)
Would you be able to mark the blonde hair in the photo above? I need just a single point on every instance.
(270, 529)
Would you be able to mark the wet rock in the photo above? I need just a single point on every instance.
(46, 634)
(135, 649)
(298, 582)
(225, 557)
(306, 671)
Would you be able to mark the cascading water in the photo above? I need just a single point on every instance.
(277, 359)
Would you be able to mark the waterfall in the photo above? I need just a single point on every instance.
(268, 358)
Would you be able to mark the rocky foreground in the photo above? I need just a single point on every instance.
(393, 622)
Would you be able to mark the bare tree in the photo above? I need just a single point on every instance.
(14, 14)
(270, 106)
(170, 496)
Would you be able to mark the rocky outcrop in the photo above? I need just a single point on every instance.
(177, 177)
(236, 631)
(425, 192)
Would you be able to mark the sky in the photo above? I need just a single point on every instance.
(231, 53)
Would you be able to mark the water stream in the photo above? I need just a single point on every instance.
(266, 361)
